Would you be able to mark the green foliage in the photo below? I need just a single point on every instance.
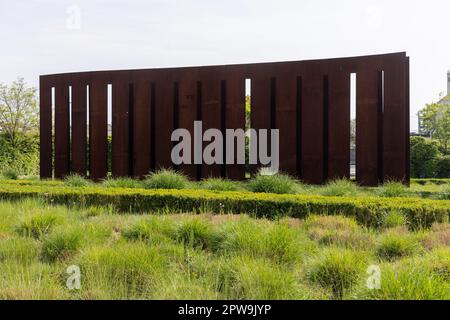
(336, 269)
(62, 244)
(218, 184)
(122, 183)
(394, 245)
(339, 188)
(436, 120)
(166, 179)
(277, 183)
(424, 155)
(394, 219)
(75, 180)
(443, 167)
(38, 225)
(20, 159)
(392, 189)
(197, 233)
(10, 174)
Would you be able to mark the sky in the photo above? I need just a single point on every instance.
(49, 36)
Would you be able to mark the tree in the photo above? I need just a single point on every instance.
(436, 120)
(424, 158)
(19, 111)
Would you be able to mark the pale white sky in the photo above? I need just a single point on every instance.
(38, 37)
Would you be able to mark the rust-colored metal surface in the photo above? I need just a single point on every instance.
(308, 101)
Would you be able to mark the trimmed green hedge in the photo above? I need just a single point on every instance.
(368, 210)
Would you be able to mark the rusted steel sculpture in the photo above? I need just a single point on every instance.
(308, 101)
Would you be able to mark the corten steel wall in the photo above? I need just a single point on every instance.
(308, 101)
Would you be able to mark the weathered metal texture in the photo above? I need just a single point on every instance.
(46, 131)
(62, 128)
(79, 125)
(308, 101)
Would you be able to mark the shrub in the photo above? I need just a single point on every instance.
(75, 180)
(197, 233)
(38, 225)
(392, 189)
(336, 269)
(122, 183)
(443, 167)
(62, 244)
(339, 188)
(424, 155)
(395, 245)
(277, 183)
(165, 179)
(220, 185)
(10, 174)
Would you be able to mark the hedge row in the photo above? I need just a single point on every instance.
(437, 181)
(368, 210)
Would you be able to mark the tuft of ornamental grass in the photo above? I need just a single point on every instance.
(394, 219)
(122, 183)
(392, 189)
(62, 244)
(166, 179)
(394, 245)
(277, 183)
(10, 174)
(218, 184)
(21, 250)
(339, 188)
(197, 233)
(75, 180)
(154, 230)
(337, 270)
(38, 225)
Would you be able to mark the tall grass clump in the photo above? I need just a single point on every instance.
(395, 245)
(75, 180)
(338, 270)
(392, 189)
(62, 244)
(166, 179)
(197, 233)
(218, 184)
(153, 230)
(339, 188)
(38, 225)
(122, 183)
(9, 174)
(393, 219)
(276, 183)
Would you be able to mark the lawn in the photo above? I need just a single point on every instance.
(317, 244)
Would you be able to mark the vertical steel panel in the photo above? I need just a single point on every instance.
(62, 129)
(79, 126)
(98, 128)
(141, 134)
(164, 118)
(407, 127)
(121, 127)
(211, 113)
(339, 123)
(395, 131)
(45, 128)
(312, 124)
(286, 121)
(260, 104)
(367, 108)
(234, 100)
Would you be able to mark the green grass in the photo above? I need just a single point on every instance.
(277, 183)
(166, 179)
(207, 256)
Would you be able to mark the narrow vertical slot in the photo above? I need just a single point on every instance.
(380, 125)
(223, 115)
(353, 78)
(248, 125)
(199, 117)
(88, 135)
(152, 127)
(53, 128)
(109, 127)
(298, 107)
(325, 126)
(70, 127)
(130, 130)
(176, 111)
